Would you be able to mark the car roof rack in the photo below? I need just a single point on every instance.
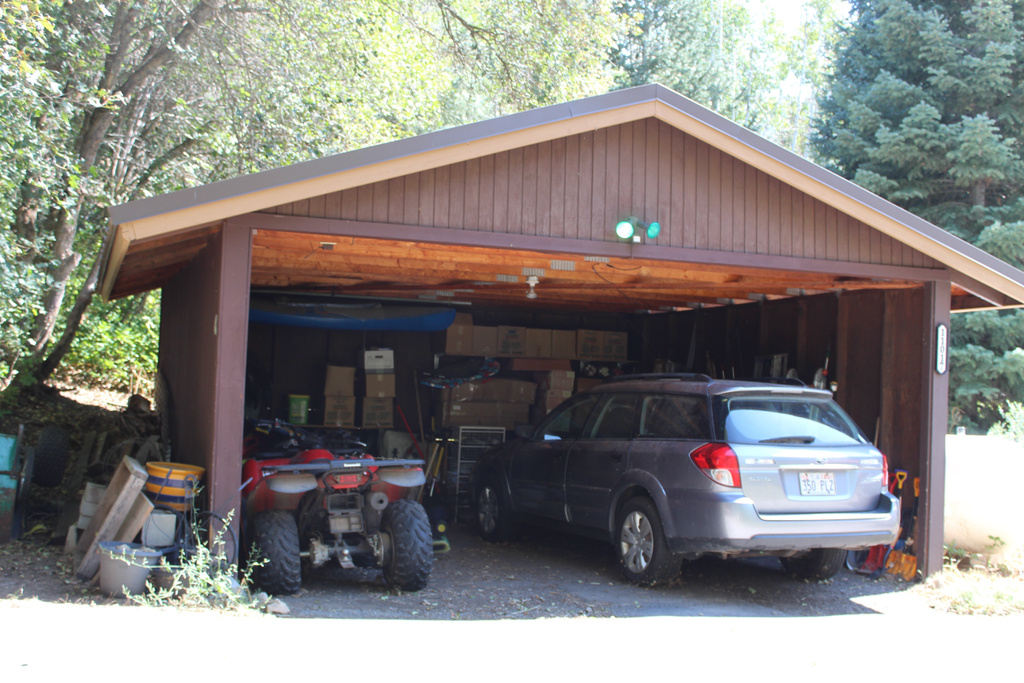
(789, 381)
(679, 376)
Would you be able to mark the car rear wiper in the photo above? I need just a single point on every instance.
(789, 439)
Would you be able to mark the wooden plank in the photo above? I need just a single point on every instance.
(542, 202)
(750, 211)
(664, 172)
(471, 210)
(135, 519)
(715, 199)
(599, 189)
(691, 172)
(508, 188)
(702, 196)
(486, 208)
(638, 182)
(126, 484)
(364, 203)
(332, 208)
(350, 204)
(557, 202)
(427, 198)
(318, 206)
(571, 215)
(396, 200)
(411, 195)
(457, 196)
(380, 202)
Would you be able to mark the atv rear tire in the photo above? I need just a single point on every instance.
(409, 546)
(51, 457)
(276, 537)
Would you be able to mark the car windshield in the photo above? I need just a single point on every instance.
(764, 418)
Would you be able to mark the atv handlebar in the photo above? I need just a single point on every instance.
(322, 467)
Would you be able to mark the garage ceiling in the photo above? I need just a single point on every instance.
(366, 268)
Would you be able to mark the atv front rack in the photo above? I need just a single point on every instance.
(341, 465)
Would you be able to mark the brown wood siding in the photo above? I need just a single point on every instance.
(579, 186)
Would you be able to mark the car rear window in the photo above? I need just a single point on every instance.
(674, 417)
(783, 419)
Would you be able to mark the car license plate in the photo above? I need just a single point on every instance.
(817, 484)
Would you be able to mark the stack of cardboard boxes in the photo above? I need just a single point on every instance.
(378, 396)
(340, 396)
(464, 338)
(487, 403)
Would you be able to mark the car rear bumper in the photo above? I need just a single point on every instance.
(728, 523)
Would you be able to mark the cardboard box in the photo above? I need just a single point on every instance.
(615, 346)
(538, 364)
(558, 380)
(589, 344)
(340, 411)
(379, 361)
(538, 343)
(496, 390)
(340, 381)
(380, 385)
(563, 344)
(485, 341)
(547, 400)
(459, 337)
(511, 341)
(506, 415)
(378, 413)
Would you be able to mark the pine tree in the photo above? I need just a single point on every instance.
(927, 110)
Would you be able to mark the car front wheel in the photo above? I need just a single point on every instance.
(494, 518)
(643, 553)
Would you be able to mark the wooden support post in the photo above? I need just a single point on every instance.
(114, 508)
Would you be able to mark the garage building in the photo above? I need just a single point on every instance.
(497, 240)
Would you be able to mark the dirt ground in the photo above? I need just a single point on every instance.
(543, 575)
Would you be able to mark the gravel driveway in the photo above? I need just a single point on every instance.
(550, 574)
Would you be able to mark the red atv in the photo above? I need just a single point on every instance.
(309, 499)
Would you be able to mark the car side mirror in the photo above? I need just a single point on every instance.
(524, 431)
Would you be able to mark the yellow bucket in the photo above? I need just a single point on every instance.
(173, 484)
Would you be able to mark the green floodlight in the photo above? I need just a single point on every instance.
(624, 229)
(627, 227)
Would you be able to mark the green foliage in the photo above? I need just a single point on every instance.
(924, 110)
(733, 56)
(106, 102)
(117, 345)
(207, 576)
(1011, 426)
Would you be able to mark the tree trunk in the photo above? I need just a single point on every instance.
(95, 127)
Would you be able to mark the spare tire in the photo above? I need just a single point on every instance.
(51, 457)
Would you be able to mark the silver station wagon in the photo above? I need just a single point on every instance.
(670, 467)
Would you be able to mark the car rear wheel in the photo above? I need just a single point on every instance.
(494, 517)
(643, 553)
(815, 565)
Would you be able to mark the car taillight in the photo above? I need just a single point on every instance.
(718, 461)
(885, 472)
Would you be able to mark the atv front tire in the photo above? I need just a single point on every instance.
(276, 537)
(408, 546)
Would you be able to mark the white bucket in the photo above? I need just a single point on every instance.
(124, 567)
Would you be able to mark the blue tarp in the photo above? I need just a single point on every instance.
(357, 317)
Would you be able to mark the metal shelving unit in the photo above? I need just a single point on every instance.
(473, 441)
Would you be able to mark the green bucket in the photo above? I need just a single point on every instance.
(298, 409)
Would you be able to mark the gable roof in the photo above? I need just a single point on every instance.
(181, 216)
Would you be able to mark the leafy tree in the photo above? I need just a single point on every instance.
(110, 101)
(733, 56)
(925, 110)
